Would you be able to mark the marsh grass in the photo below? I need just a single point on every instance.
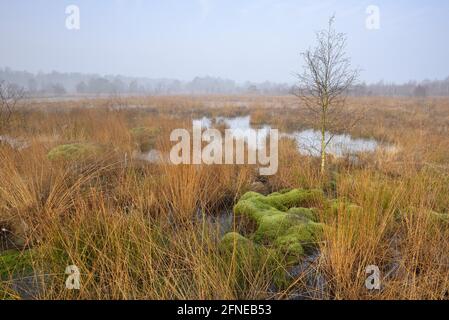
(140, 230)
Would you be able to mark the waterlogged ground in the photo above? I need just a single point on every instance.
(300, 272)
(308, 141)
(15, 143)
(403, 198)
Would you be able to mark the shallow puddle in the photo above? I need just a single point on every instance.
(14, 143)
(308, 141)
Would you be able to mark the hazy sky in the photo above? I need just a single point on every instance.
(254, 40)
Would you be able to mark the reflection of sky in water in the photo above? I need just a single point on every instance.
(240, 128)
(308, 141)
(15, 143)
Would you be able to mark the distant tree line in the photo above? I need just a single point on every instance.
(57, 84)
(409, 89)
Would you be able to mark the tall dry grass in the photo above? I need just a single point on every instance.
(139, 230)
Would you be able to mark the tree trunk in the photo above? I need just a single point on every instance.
(323, 151)
(323, 141)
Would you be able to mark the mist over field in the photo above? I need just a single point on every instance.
(63, 84)
(212, 46)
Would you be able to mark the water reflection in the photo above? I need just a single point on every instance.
(308, 141)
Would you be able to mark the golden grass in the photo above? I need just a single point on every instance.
(139, 230)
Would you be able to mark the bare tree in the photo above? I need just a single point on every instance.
(324, 84)
(10, 95)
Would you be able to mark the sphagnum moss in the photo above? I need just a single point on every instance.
(74, 151)
(281, 223)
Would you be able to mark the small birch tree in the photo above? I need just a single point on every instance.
(323, 85)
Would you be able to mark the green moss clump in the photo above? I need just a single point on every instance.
(74, 151)
(15, 263)
(304, 213)
(295, 198)
(284, 226)
(254, 209)
(284, 220)
(254, 206)
(145, 137)
(297, 239)
(272, 226)
(242, 248)
(247, 259)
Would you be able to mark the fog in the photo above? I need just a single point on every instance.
(253, 40)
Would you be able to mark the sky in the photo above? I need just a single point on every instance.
(242, 40)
